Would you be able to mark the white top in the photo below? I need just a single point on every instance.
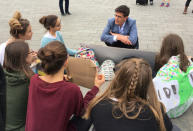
(2, 52)
(49, 35)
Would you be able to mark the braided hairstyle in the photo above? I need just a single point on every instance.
(18, 25)
(172, 45)
(132, 86)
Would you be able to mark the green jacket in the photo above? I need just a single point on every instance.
(16, 98)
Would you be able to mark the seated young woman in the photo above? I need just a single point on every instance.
(53, 25)
(174, 79)
(52, 99)
(18, 58)
(19, 29)
(130, 102)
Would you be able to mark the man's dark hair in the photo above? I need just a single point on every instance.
(123, 9)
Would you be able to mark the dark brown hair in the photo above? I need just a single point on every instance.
(133, 87)
(172, 45)
(18, 25)
(48, 21)
(123, 9)
(15, 57)
(52, 57)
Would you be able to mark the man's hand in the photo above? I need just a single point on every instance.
(122, 38)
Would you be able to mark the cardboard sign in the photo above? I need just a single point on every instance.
(167, 92)
(82, 71)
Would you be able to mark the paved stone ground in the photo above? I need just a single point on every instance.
(89, 17)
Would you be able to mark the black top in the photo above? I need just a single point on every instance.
(103, 120)
(2, 100)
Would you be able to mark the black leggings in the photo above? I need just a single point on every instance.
(187, 3)
(66, 6)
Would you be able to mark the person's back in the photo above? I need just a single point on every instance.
(173, 81)
(52, 100)
(144, 122)
(17, 74)
(52, 104)
(16, 96)
(130, 102)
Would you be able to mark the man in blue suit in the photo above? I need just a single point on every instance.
(121, 31)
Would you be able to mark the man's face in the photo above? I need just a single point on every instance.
(119, 18)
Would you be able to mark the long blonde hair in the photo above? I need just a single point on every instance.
(133, 87)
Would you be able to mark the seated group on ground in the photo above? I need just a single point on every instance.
(133, 100)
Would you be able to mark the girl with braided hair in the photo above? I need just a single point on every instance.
(19, 29)
(130, 102)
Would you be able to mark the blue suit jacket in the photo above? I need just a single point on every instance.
(129, 29)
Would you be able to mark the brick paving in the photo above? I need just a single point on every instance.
(89, 17)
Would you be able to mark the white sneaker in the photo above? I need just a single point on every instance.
(107, 69)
